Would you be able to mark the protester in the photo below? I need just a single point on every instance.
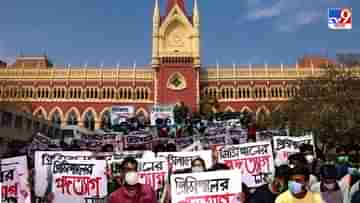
(131, 190)
(244, 196)
(342, 162)
(331, 190)
(276, 185)
(298, 188)
(299, 159)
(107, 148)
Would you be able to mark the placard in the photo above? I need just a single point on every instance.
(254, 160)
(182, 160)
(14, 177)
(43, 163)
(77, 180)
(284, 146)
(218, 186)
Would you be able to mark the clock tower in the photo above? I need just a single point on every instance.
(176, 54)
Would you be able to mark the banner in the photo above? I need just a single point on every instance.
(182, 160)
(140, 138)
(120, 114)
(134, 154)
(197, 146)
(77, 181)
(284, 146)
(162, 112)
(254, 160)
(151, 171)
(239, 135)
(14, 177)
(43, 164)
(206, 187)
(214, 140)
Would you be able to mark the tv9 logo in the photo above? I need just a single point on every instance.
(340, 19)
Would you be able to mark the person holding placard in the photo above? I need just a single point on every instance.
(277, 184)
(131, 190)
(298, 188)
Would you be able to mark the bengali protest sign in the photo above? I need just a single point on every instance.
(182, 160)
(219, 186)
(139, 138)
(120, 114)
(151, 171)
(284, 146)
(163, 112)
(79, 181)
(197, 146)
(14, 177)
(43, 163)
(214, 140)
(254, 160)
(239, 135)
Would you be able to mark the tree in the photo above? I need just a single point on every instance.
(328, 105)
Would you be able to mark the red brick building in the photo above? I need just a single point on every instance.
(83, 95)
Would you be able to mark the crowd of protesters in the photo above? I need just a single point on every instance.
(304, 178)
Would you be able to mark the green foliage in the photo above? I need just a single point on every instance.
(328, 105)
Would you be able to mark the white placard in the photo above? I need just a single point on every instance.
(76, 180)
(15, 176)
(43, 162)
(182, 160)
(254, 160)
(218, 186)
(162, 112)
(120, 114)
(284, 146)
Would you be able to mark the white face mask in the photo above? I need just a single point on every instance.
(330, 186)
(309, 158)
(131, 178)
(197, 169)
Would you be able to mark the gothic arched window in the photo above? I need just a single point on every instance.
(89, 120)
(72, 118)
(106, 120)
(56, 118)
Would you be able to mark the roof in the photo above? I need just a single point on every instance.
(171, 3)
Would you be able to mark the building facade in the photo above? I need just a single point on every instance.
(84, 95)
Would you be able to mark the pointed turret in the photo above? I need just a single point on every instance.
(196, 16)
(156, 16)
(156, 27)
(196, 40)
(171, 4)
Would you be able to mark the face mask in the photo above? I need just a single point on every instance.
(342, 159)
(309, 158)
(295, 187)
(330, 186)
(131, 178)
(197, 169)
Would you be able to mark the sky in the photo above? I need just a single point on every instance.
(114, 32)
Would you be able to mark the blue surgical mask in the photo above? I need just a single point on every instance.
(295, 187)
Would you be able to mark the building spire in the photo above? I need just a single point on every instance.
(156, 16)
(171, 4)
(196, 15)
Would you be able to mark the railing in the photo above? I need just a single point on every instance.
(77, 74)
(262, 73)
